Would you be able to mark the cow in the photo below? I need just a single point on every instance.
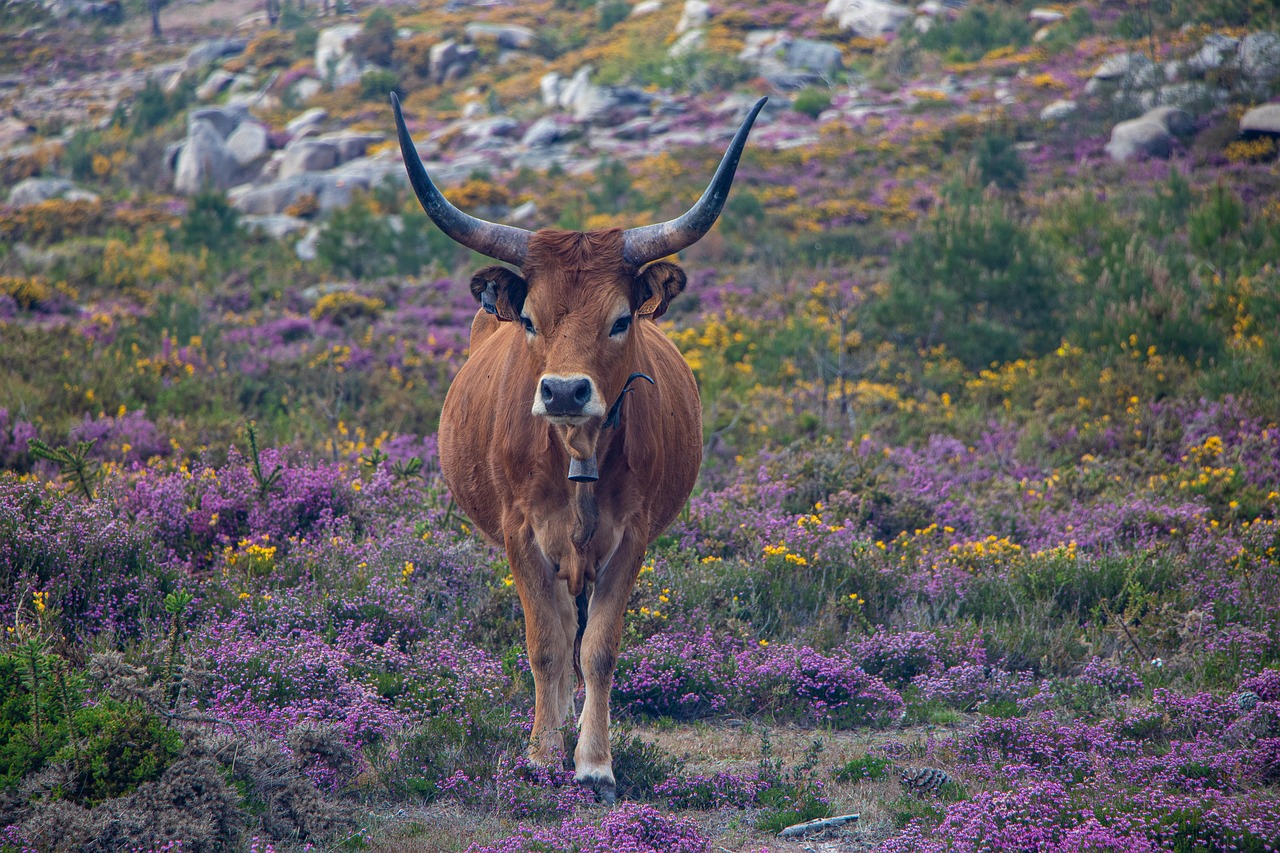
(542, 449)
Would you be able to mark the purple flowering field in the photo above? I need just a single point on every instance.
(984, 548)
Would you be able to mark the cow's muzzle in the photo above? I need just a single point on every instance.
(567, 399)
(587, 470)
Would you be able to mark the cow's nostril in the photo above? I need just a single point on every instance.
(547, 394)
(582, 392)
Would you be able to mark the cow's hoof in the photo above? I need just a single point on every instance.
(605, 789)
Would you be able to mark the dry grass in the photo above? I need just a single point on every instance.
(734, 746)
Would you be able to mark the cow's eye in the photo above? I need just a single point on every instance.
(620, 325)
(528, 324)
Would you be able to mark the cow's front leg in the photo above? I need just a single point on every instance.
(550, 627)
(593, 762)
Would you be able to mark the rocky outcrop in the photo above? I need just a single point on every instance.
(204, 161)
(510, 36)
(333, 60)
(1261, 120)
(1151, 134)
(37, 190)
(867, 18)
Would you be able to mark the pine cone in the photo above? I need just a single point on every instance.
(923, 780)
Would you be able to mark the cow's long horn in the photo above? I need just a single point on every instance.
(650, 242)
(502, 242)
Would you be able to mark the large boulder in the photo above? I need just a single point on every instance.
(1176, 121)
(224, 120)
(1213, 53)
(248, 143)
(351, 144)
(214, 84)
(544, 132)
(308, 155)
(37, 190)
(695, 15)
(1260, 120)
(211, 51)
(510, 36)
(1139, 136)
(204, 161)
(307, 122)
(820, 57)
(1259, 57)
(1058, 110)
(331, 49)
(451, 60)
(867, 18)
(1127, 69)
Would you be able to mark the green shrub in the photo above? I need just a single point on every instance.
(377, 40)
(612, 12)
(811, 101)
(865, 767)
(999, 163)
(976, 281)
(210, 222)
(374, 85)
(980, 28)
(123, 746)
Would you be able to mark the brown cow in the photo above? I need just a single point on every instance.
(540, 452)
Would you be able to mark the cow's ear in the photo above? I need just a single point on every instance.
(657, 284)
(499, 291)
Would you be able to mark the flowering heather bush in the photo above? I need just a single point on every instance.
(629, 828)
(716, 791)
(102, 574)
(687, 676)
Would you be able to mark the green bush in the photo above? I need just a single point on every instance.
(377, 40)
(122, 746)
(977, 281)
(210, 222)
(811, 101)
(981, 28)
(374, 85)
(999, 163)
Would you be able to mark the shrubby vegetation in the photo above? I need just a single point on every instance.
(991, 473)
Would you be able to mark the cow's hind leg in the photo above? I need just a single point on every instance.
(593, 761)
(550, 625)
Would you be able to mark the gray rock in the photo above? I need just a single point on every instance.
(686, 43)
(645, 7)
(309, 120)
(331, 47)
(765, 46)
(307, 155)
(351, 144)
(248, 143)
(222, 119)
(1058, 110)
(1264, 119)
(204, 161)
(1176, 121)
(276, 225)
(1259, 57)
(332, 189)
(1213, 53)
(640, 127)
(450, 60)
(486, 128)
(696, 14)
(523, 213)
(550, 86)
(1044, 16)
(1131, 69)
(819, 57)
(347, 70)
(214, 84)
(211, 51)
(867, 18)
(36, 190)
(510, 36)
(792, 81)
(306, 89)
(1130, 139)
(544, 132)
(306, 248)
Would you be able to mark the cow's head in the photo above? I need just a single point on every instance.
(579, 295)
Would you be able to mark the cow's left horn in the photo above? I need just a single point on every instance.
(502, 242)
(650, 242)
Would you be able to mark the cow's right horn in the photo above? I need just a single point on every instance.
(650, 242)
(501, 242)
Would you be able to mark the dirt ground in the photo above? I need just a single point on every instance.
(446, 827)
